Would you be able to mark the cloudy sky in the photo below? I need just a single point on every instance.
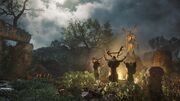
(152, 17)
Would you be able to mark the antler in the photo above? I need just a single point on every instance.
(117, 53)
(120, 49)
(108, 53)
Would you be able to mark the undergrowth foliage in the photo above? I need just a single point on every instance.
(36, 90)
(78, 82)
(171, 87)
(78, 86)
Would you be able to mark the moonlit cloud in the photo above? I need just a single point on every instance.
(47, 25)
(152, 17)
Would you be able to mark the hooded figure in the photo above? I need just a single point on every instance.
(113, 63)
(96, 65)
(131, 68)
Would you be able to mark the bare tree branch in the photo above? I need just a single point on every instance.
(13, 8)
(3, 11)
(22, 11)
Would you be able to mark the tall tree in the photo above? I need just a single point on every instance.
(89, 33)
(14, 9)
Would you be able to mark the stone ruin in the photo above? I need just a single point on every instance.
(19, 56)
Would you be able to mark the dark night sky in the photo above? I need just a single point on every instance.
(152, 17)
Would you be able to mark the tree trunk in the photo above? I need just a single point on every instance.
(15, 20)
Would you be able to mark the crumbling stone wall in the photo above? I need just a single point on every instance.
(19, 56)
(21, 59)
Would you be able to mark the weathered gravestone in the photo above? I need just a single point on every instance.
(154, 84)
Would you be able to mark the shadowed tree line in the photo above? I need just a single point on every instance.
(167, 50)
(74, 49)
(89, 34)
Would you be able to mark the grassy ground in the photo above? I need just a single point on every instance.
(78, 86)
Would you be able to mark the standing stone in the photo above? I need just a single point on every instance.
(154, 84)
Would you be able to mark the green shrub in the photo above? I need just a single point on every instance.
(171, 87)
(76, 82)
(2, 99)
(37, 90)
(126, 91)
(70, 87)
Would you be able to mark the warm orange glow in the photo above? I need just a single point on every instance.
(130, 42)
(121, 76)
(136, 80)
(130, 47)
(122, 72)
(130, 37)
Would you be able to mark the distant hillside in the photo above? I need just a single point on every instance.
(57, 60)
